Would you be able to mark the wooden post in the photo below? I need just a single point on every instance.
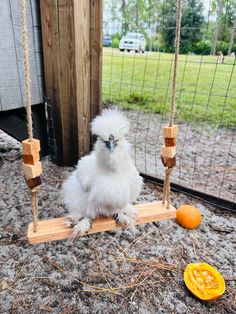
(69, 65)
(96, 56)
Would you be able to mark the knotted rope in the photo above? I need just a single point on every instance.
(168, 171)
(34, 191)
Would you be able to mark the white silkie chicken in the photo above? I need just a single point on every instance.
(106, 181)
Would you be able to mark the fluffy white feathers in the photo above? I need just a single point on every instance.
(110, 122)
(106, 181)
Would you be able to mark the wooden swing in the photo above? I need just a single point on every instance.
(55, 229)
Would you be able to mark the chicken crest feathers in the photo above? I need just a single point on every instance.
(110, 122)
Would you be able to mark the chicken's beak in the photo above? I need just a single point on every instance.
(111, 143)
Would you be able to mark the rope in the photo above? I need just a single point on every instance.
(168, 171)
(177, 40)
(34, 205)
(27, 72)
(166, 188)
(34, 191)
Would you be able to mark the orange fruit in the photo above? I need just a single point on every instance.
(188, 216)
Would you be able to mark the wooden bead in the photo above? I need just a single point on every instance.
(29, 148)
(168, 152)
(169, 162)
(170, 141)
(32, 183)
(32, 171)
(31, 159)
(170, 131)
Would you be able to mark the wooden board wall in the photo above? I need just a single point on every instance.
(72, 63)
(12, 90)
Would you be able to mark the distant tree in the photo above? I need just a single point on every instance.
(134, 14)
(225, 24)
(124, 16)
(231, 24)
(219, 10)
(153, 18)
(110, 16)
(191, 24)
(232, 35)
(168, 21)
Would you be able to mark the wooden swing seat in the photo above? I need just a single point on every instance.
(55, 229)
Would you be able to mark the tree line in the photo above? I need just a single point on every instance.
(203, 30)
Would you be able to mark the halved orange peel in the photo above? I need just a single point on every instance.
(204, 281)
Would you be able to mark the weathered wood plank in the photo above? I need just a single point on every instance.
(49, 42)
(11, 96)
(82, 55)
(51, 53)
(11, 55)
(69, 104)
(96, 22)
(50, 39)
(9, 67)
(66, 47)
(54, 229)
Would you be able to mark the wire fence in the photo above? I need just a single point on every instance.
(140, 84)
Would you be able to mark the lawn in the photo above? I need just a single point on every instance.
(206, 90)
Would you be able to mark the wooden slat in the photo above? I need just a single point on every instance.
(51, 61)
(82, 73)
(66, 47)
(11, 55)
(54, 229)
(96, 23)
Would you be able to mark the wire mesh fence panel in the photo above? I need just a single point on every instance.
(139, 81)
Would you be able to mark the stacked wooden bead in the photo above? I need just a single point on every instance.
(32, 167)
(169, 150)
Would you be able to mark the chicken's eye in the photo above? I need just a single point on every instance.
(108, 142)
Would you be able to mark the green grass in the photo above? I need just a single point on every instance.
(145, 82)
